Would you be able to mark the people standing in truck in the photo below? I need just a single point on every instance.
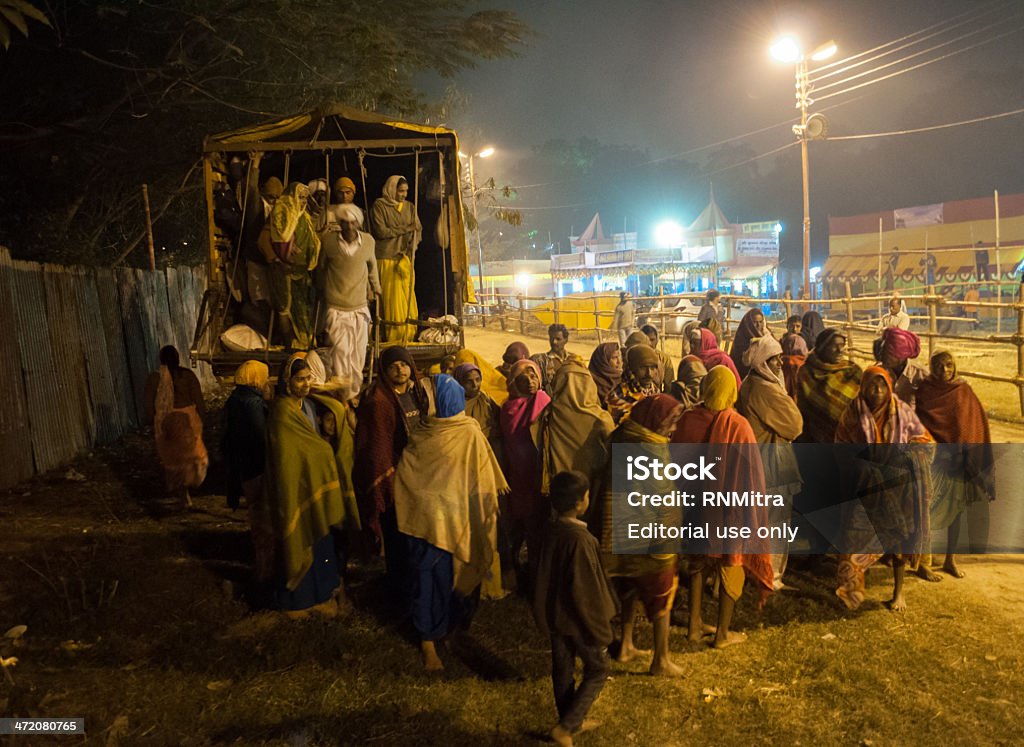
(347, 279)
(397, 229)
(296, 253)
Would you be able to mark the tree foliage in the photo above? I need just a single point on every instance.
(122, 93)
(15, 15)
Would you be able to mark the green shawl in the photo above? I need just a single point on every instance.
(302, 488)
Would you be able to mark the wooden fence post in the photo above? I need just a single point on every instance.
(849, 318)
(597, 319)
(1020, 352)
(522, 314)
(933, 325)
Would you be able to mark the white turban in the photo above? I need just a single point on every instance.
(347, 212)
(317, 185)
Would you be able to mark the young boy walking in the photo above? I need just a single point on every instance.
(574, 604)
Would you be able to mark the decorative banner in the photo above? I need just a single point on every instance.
(922, 215)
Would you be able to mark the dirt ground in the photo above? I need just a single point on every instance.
(139, 621)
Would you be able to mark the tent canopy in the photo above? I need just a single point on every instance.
(336, 126)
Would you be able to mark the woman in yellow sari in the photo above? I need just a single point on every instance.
(397, 229)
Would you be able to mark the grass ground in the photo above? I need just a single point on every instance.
(137, 620)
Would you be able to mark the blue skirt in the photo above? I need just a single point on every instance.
(431, 596)
(316, 586)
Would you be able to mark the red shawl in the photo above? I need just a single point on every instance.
(524, 469)
(380, 438)
(711, 355)
(952, 413)
(742, 471)
(790, 368)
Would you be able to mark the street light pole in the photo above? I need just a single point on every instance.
(787, 49)
(476, 221)
(801, 92)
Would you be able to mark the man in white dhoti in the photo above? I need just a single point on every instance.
(348, 277)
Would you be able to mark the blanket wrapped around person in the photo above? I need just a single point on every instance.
(446, 501)
(887, 485)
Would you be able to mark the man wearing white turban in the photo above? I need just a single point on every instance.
(348, 277)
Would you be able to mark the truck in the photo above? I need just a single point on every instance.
(233, 324)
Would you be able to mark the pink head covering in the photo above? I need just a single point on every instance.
(900, 343)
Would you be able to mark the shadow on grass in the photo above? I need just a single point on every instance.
(383, 725)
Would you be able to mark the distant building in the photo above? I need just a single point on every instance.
(893, 248)
(711, 252)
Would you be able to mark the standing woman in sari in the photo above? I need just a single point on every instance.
(574, 429)
(446, 500)
(479, 405)
(606, 368)
(526, 512)
(397, 229)
(174, 404)
(889, 489)
(963, 472)
(752, 327)
(649, 580)
(711, 355)
(296, 253)
(776, 422)
(811, 326)
(733, 561)
(302, 497)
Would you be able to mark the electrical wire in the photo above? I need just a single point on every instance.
(920, 64)
(750, 160)
(948, 23)
(908, 57)
(931, 128)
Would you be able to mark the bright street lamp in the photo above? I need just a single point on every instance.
(485, 153)
(787, 49)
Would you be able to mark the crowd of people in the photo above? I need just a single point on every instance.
(314, 265)
(477, 480)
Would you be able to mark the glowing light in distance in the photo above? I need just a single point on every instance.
(523, 281)
(668, 234)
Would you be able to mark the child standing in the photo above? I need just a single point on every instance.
(574, 604)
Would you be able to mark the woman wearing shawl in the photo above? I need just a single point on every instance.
(302, 497)
(245, 455)
(526, 510)
(492, 381)
(446, 500)
(826, 385)
(389, 410)
(479, 405)
(711, 355)
(716, 422)
(686, 387)
(574, 429)
(794, 355)
(606, 369)
(641, 379)
(963, 472)
(297, 252)
(811, 326)
(889, 489)
(752, 326)
(174, 402)
(516, 351)
(776, 421)
(649, 580)
(397, 229)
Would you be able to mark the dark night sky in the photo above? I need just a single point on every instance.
(668, 77)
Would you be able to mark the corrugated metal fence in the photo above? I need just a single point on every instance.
(76, 346)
